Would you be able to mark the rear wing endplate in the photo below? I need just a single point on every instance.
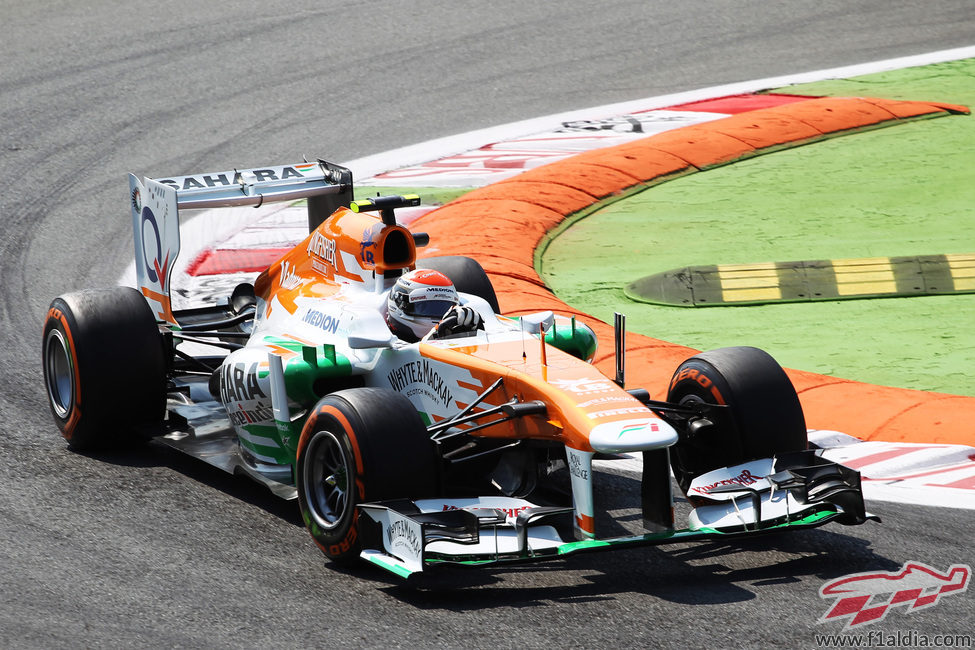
(155, 205)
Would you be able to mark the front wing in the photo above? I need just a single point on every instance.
(796, 491)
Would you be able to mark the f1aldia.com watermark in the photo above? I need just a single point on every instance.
(862, 599)
(900, 639)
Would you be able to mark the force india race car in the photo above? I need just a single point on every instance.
(467, 449)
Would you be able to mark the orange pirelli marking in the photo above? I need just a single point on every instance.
(702, 380)
(337, 414)
(72, 422)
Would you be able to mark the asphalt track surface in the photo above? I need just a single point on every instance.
(142, 548)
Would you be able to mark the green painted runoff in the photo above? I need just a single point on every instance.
(904, 190)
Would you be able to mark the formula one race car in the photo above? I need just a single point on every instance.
(466, 447)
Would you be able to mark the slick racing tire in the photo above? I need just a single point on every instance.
(104, 367)
(359, 445)
(467, 275)
(763, 415)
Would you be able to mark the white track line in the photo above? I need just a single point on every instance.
(369, 166)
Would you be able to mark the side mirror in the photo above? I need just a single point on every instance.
(369, 332)
(363, 342)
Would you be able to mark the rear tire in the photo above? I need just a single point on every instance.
(765, 417)
(360, 445)
(467, 275)
(104, 367)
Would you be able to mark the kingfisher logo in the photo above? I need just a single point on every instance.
(321, 247)
(745, 478)
(865, 598)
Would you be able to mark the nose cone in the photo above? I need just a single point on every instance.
(632, 435)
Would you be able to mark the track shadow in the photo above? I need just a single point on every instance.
(715, 572)
(690, 574)
(239, 487)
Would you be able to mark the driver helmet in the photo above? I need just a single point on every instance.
(418, 301)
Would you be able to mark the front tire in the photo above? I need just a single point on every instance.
(104, 366)
(360, 445)
(764, 415)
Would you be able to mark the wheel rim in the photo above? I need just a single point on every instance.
(327, 479)
(59, 374)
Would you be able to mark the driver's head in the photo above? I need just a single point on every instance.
(418, 301)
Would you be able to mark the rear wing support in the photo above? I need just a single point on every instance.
(321, 206)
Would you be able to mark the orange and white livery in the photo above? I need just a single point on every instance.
(383, 441)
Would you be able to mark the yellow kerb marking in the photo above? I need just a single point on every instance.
(962, 271)
(749, 282)
(742, 295)
(870, 275)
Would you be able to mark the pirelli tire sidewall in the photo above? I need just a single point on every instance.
(386, 449)
(104, 367)
(764, 416)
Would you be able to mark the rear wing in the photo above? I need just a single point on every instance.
(155, 206)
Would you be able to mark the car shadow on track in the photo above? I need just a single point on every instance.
(691, 574)
(248, 491)
(717, 572)
(714, 572)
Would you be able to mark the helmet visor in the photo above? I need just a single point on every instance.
(428, 308)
